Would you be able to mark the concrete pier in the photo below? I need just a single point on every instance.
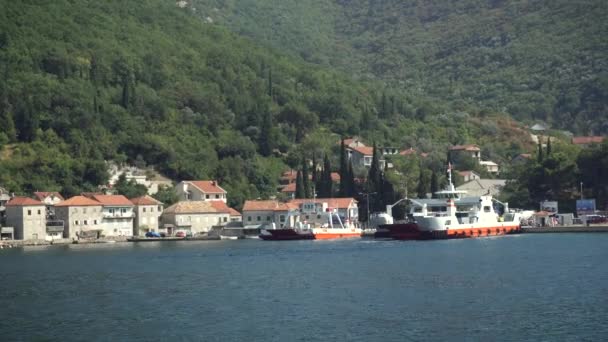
(567, 229)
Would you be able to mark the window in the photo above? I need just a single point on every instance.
(225, 219)
(74, 211)
(282, 218)
(307, 217)
(259, 218)
(76, 222)
(85, 222)
(39, 212)
(249, 218)
(486, 208)
(84, 210)
(318, 216)
(94, 221)
(217, 196)
(267, 218)
(29, 213)
(144, 209)
(123, 210)
(159, 208)
(207, 196)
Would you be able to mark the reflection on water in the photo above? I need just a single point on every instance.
(526, 287)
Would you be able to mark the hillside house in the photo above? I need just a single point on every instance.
(587, 141)
(469, 175)
(362, 156)
(470, 150)
(204, 190)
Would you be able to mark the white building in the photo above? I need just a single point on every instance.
(117, 215)
(28, 218)
(207, 190)
(147, 215)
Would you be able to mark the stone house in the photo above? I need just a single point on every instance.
(265, 213)
(194, 217)
(362, 156)
(28, 218)
(470, 150)
(147, 215)
(117, 215)
(200, 191)
(81, 216)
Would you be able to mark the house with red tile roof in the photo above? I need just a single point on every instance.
(587, 141)
(147, 215)
(195, 217)
(49, 199)
(203, 190)
(266, 213)
(117, 215)
(81, 216)
(469, 175)
(27, 216)
(471, 150)
(362, 156)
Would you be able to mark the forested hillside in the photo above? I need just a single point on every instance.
(533, 59)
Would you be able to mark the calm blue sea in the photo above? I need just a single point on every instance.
(545, 287)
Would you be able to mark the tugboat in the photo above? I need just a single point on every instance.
(451, 215)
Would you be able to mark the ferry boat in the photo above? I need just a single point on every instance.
(334, 228)
(451, 215)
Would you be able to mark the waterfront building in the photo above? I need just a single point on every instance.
(81, 216)
(311, 210)
(206, 190)
(28, 218)
(117, 215)
(194, 217)
(271, 212)
(147, 215)
(266, 213)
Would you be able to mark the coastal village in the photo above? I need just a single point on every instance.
(202, 210)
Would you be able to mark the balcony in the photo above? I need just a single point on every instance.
(118, 215)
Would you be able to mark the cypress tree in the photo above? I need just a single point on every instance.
(540, 151)
(326, 186)
(266, 138)
(351, 179)
(315, 175)
(434, 184)
(548, 146)
(421, 189)
(373, 178)
(344, 191)
(299, 186)
(306, 179)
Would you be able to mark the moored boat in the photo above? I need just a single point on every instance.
(451, 215)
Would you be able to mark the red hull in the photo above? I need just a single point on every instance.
(410, 231)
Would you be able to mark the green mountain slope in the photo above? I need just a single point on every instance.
(536, 60)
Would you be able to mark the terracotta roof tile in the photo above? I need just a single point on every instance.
(145, 200)
(269, 205)
(587, 140)
(78, 201)
(469, 147)
(364, 150)
(19, 201)
(291, 187)
(209, 187)
(195, 207)
(41, 195)
(112, 200)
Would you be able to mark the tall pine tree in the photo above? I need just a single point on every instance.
(373, 177)
(266, 140)
(548, 146)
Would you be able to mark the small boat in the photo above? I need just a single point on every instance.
(334, 228)
(451, 215)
